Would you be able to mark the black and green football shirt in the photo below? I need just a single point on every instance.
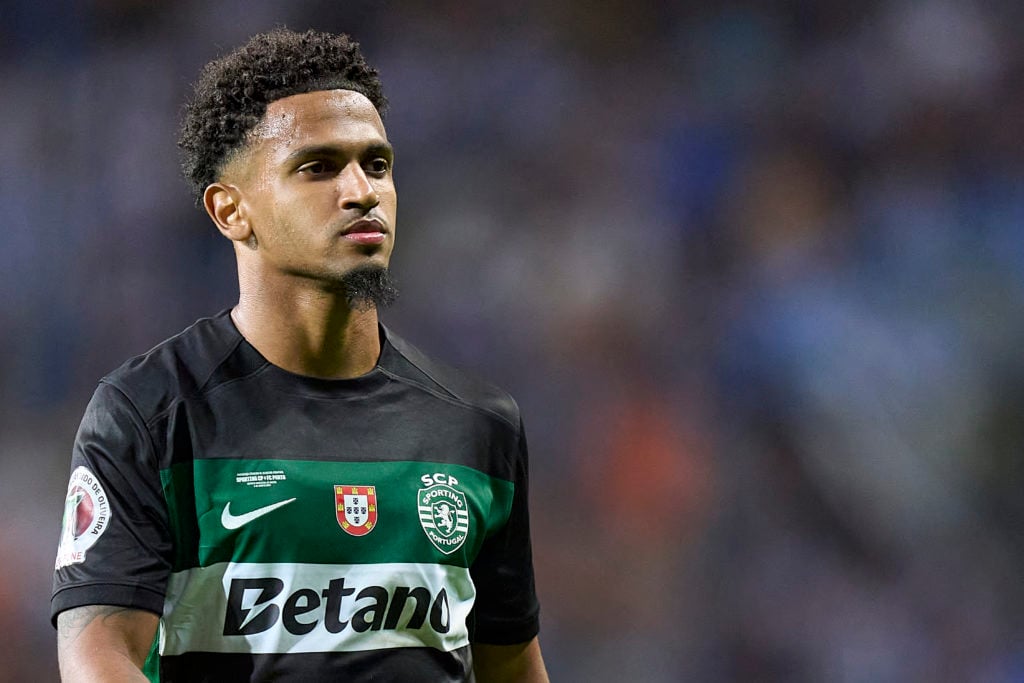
(292, 528)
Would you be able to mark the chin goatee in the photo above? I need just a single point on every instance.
(369, 287)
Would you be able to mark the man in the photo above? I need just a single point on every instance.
(290, 491)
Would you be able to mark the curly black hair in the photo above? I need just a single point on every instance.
(232, 92)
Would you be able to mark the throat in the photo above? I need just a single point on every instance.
(340, 345)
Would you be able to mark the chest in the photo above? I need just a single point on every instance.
(331, 512)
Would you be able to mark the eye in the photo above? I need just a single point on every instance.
(378, 166)
(318, 167)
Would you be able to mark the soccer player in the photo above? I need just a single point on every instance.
(288, 490)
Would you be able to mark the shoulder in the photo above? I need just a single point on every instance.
(407, 363)
(182, 365)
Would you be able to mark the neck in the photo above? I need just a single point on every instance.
(312, 333)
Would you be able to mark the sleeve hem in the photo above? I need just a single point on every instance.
(506, 633)
(134, 596)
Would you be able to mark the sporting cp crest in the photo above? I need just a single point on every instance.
(444, 516)
(356, 508)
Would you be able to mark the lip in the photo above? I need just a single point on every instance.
(364, 226)
(365, 231)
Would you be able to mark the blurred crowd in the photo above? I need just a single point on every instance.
(754, 271)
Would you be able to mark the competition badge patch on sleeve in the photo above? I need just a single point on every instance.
(356, 508)
(444, 514)
(86, 516)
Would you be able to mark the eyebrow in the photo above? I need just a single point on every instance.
(383, 149)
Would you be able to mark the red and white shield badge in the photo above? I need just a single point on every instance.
(356, 508)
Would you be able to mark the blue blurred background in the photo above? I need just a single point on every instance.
(755, 272)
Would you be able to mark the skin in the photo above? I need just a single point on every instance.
(316, 163)
(104, 643)
(520, 663)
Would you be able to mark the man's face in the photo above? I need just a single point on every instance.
(316, 186)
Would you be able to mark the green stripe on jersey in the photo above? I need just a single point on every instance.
(265, 608)
(293, 511)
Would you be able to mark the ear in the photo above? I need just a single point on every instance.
(223, 203)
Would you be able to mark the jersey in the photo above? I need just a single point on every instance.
(292, 528)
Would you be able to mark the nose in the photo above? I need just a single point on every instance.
(356, 191)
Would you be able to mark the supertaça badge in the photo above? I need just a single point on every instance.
(86, 516)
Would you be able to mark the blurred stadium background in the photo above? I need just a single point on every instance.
(755, 272)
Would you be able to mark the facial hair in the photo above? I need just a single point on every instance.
(368, 287)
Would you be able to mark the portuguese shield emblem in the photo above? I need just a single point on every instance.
(444, 516)
(356, 508)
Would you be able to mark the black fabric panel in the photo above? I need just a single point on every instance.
(506, 610)
(405, 665)
(405, 360)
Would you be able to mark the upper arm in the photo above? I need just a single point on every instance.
(116, 544)
(521, 663)
(104, 643)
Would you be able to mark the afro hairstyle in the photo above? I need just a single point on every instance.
(233, 92)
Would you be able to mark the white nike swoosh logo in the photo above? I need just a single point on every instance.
(231, 521)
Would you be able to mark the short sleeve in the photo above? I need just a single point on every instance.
(115, 545)
(506, 611)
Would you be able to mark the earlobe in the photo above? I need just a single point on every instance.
(223, 204)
